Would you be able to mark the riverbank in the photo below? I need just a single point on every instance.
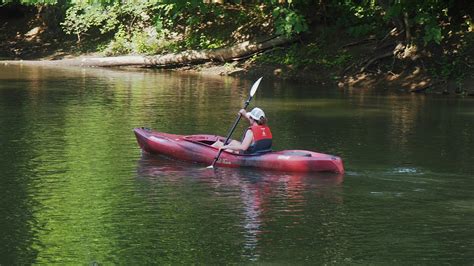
(415, 82)
(411, 81)
(324, 55)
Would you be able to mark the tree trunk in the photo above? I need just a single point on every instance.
(170, 60)
(386, 5)
(406, 24)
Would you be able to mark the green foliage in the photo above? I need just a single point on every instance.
(203, 26)
(432, 33)
(140, 42)
(132, 25)
(201, 41)
(426, 16)
(309, 56)
(147, 28)
(427, 19)
(157, 26)
(432, 29)
(452, 65)
(81, 18)
(119, 45)
(358, 18)
(29, 2)
(361, 30)
(449, 69)
(289, 22)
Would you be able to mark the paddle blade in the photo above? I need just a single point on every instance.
(255, 87)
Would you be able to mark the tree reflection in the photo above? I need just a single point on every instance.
(263, 206)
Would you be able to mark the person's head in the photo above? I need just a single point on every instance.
(258, 116)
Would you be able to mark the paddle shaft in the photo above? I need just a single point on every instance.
(231, 131)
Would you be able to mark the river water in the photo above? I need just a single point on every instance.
(75, 188)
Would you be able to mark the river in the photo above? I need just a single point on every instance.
(77, 190)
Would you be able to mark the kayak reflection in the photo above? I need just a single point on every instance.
(263, 196)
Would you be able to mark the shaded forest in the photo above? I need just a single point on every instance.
(418, 46)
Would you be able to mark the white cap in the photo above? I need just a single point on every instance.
(256, 114)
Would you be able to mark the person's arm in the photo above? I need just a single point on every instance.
(243, 113)
(236, 146)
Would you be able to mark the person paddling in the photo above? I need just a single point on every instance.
(258, 137)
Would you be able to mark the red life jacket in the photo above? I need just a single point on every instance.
(260, 132)
(262, 139)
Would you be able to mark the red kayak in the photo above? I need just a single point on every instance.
(197, 148)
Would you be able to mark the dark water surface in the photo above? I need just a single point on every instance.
(75, 188)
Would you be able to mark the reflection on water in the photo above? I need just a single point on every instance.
(253, 193)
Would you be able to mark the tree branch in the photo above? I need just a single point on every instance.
(372, 60)
(240, 50)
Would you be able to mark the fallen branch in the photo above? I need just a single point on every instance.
(467, 64)
(252, 54)
(390, 33)
(347, 69)
(240, 50)
(426, 87)
(359, 42)
(376, 58)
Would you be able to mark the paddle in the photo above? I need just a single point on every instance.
(252, 93)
